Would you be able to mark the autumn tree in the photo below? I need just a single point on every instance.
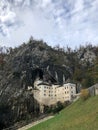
(85, 94)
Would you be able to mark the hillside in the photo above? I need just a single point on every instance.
(20, 66)
(81, 115)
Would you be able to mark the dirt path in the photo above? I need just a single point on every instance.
(35, 123)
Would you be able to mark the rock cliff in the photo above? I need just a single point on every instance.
(22, 65)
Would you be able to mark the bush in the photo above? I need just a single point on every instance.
(85, 94)
(59, 106)
(54, 108)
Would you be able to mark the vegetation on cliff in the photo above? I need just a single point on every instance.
(20, 66)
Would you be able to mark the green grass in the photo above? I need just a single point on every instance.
(81, 115)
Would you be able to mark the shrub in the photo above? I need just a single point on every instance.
(54, 108)
(59, 106)
(85, 94)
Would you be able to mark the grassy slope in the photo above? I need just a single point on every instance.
(81, 115)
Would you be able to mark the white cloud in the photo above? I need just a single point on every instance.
(4, 30)
(45, 3)
(7, 17)
(78, 5)
(65, 21)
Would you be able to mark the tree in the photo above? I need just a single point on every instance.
(95, 71)
(85, 94)
(88, 81)
(59, 107)
(78, 75)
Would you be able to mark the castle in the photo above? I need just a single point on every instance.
(49, 94)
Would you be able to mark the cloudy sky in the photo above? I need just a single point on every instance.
(64, 22)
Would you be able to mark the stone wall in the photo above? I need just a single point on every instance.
(93, 90)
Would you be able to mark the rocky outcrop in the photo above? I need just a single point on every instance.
(22, 66)
(87, 55)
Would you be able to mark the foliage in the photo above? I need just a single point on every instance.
(88, 81)
(59, 107)
(85, 94)
(95, 70)
(56, 108)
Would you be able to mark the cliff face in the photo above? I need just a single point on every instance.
(22, 66)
